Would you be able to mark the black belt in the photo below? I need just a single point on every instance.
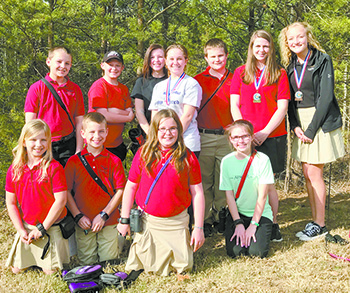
(212, 131)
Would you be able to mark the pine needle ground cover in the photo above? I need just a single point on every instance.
(291, 266)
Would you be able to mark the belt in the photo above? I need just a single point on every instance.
(212, 131)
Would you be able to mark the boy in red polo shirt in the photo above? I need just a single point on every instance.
(112, 99)
(213, 117)
(94, 210)
(40, 103)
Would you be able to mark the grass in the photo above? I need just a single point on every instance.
(291, 266)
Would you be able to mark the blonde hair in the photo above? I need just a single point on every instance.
(33, 127)
(151, 153)
(248, 126)
(94, 117)
(286, 53)
(272, 71)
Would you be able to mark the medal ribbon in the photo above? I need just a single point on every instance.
(299, 79)
(168, 92)
(258, 82)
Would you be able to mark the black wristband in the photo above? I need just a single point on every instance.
(41, 229)
(124, 221)
(238, 221)
(104, 216)
(78, 217)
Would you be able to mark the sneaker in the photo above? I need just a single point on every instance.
(218, 228)
(276, 235)
(314, 232)
(307, 227)
(208, 230)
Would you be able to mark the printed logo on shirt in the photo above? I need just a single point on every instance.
(311, 68)
(171, 102)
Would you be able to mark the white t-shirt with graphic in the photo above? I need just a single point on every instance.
(187, 92)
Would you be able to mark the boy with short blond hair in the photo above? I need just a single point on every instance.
(213, 117)
(41, 103)
(94, 210)
(112, 99)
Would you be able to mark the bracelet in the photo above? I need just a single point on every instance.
(125, 221)
(78, 217)
(238, 221)
(41, 228)
(254, 223)
(198, 227)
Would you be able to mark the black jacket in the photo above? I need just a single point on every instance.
(327, 115)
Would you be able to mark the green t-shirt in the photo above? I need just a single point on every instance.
(260, 172)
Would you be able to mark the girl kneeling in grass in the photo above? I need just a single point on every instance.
(249, 224)
(36, 195)
(164, 245)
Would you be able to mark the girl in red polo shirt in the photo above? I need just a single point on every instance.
(164, 245)
(260, 94)
(36, 195)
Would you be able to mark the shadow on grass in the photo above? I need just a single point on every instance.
(294, 214)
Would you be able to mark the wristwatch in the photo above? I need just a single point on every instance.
(104, 216)
(124, 221)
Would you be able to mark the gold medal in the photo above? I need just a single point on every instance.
(257, 98)
(299, 96)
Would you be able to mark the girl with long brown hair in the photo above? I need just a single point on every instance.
(165, 219)
(153, 71)
(260, 94)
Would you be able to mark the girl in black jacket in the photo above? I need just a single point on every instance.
(314, 116)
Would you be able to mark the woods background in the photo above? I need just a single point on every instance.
(89, 28)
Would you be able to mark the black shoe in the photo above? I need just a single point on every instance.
(208, 230)
(276, 235)
(219, 229)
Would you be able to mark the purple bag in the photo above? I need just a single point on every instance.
(87, 287)
(83, 274)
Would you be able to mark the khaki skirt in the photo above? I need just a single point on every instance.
(325, 148)
(163, 246)
(23, 256)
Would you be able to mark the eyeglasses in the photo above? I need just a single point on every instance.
(243, 137)
(163, 130)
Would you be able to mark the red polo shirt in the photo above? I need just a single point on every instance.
(171, 194)
(259, 114)
(41, 101)
(105, 95)
(89, 196)
(36, 198)
(216, 114)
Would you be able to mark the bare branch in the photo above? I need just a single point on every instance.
(161, 12)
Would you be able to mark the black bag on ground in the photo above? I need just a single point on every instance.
(83, 274)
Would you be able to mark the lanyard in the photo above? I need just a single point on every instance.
(299, 79)
(168, 92)
(156, 179)
(258, 82)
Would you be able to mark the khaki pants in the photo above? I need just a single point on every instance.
(97, 247)
(213, 149)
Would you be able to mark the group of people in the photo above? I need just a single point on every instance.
(213, 141)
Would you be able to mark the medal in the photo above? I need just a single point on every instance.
(299, 79)
(299, 96)
(168, 91)
(256, 98)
